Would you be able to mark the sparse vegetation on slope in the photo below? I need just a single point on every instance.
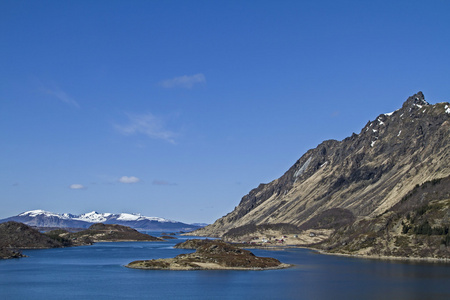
(418, 226)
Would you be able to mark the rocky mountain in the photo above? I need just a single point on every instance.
(363, 177)
(42, 219)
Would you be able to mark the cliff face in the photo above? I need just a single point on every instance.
(361, 176)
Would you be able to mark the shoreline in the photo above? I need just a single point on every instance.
(385, 257)
(211, 267)
(361, 256)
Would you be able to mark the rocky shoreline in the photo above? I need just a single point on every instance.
(385, 257)
(356, 255)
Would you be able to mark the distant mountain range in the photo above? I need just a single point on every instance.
(41, 218)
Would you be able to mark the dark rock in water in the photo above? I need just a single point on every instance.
(9, 253)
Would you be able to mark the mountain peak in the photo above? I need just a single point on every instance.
(415, 100)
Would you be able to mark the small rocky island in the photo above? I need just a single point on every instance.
(101, 233)
(210, 255)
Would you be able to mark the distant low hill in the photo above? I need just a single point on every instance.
(15, 236)
(45, 219)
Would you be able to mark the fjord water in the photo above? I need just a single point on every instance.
(98, 272)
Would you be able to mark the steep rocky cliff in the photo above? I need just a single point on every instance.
(360, 177)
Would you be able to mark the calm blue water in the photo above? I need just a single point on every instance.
(98, 272)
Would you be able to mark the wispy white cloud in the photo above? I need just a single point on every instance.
(147, 124)
(77, 186)
(130, 179)
(61, 96)
(185, 81)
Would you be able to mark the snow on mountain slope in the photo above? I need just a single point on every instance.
(93, 217)
(42, 218)
(40, 212)
(139, 217)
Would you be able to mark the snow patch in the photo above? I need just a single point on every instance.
(390, 114)
(324, 164)
(40, 212)
(399, 133)
(303, 168)
(374, 130)
(129, 217)
(373, 143)
(447, 109)
(93, 217)
(138, 217)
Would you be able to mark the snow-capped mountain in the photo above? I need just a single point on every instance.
(41, 218)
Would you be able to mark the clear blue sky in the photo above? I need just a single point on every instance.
(177, 109)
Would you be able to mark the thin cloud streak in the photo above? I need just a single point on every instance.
(61, 96)
(146, 124)
(185, 81)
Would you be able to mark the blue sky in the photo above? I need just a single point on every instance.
(177, 109)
